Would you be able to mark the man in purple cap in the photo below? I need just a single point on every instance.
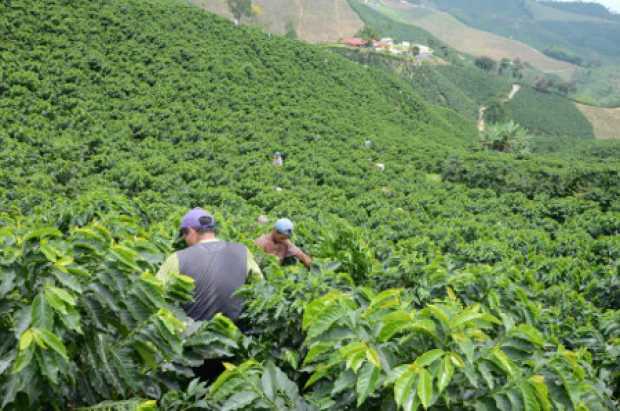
(218, 268)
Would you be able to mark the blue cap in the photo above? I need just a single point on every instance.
(198, 219)
(284, 226)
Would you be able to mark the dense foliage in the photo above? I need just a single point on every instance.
(451, 278)
(545, 113)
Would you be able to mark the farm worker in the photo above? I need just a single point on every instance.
(278, 243)
(218, 268)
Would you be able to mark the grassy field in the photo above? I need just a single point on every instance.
(472, 41)
(314, 20)
(605, 121)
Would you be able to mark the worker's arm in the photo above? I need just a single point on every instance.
(253, 268)
(169, 267)
(296, 251)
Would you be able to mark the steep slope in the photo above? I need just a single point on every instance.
(142, 86)
(430, 254)
(312, 20)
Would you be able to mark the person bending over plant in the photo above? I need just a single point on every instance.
(278, 243)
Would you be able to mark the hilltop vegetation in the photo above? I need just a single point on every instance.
(544, 113)
(310, 20)
(438, 279)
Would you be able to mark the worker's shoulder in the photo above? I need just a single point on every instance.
(263, 239)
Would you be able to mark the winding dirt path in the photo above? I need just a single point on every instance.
(481, 123)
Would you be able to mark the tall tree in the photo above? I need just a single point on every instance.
(240, 9)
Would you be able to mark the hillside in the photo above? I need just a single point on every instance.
(312, 20)
(465, 88)
(469, 40)
(541, 25)
(442, 267)
(584, 34)
(605, 121)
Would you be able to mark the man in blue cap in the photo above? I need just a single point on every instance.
(278, 243)
(218, 268)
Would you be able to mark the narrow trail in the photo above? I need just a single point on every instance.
(481, 123)
(513, 92)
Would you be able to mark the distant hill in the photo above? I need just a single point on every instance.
(469, 40)
(583, 29)
(312, 20)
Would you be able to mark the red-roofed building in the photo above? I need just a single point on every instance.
(354, 42)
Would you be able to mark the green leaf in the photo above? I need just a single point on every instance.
(542, 393)
(317, 350)
(23, 359)
(425, 388)
(268, 380)
(528, 333)
(239, 401)
(503, 361)
(42, 315)
(321, 372)
(394, 323)
(404, 384)
(314, 310)
(468, 315)
(328, 317)
(25, 340)
(345, 382)
(62, 295)
(52, 341)
(530, 400)
(446, 372)
(439, 314)
(355, 361)
(373, 357)
(366, 382)
(457, 360)
(429, 357)
(465, 344)
(485, 371)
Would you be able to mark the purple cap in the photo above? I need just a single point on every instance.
(197, 219)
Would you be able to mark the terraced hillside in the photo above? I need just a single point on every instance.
(312, 20)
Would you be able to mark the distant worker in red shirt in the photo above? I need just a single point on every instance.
(278, 243)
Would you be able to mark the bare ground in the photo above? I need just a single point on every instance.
(315, 21)
(605, 121)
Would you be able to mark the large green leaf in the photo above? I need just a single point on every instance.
(542, 393)
(239, 401)
(42, 314)
(425, 388)
(404, 385)
(367, 380)
(268, 381)
(446, 372)
(429, 357)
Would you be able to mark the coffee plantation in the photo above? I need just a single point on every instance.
(453, 278)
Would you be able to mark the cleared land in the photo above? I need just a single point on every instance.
(314, 21)
(605, 121)
(469, 40)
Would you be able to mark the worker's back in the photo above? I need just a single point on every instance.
(218, 269)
